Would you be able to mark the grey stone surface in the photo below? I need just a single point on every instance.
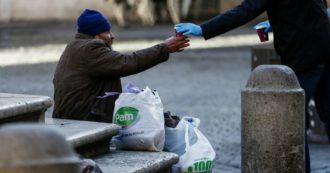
(320, 158)
(136, 162)
(273, 109)
(266, 54)
(205, 83)
(12, 105)
(88, 138)
(273, 78)
(81, 133)
(35, 148)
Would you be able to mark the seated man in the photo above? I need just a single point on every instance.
(89, 67)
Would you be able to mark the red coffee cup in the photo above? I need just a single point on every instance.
(263, 36)
(177, 34)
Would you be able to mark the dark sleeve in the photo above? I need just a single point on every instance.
(239, 15)
(104, 62)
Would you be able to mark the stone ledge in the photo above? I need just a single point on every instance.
(136, 162)
(88, 138)
(20, 107)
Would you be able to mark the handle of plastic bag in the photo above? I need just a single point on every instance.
(199, 136)
(196, 121)
(196, 131)
(186, 136)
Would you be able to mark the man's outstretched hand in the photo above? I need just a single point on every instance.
(176, 44)
(189, 29)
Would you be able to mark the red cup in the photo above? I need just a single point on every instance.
(178, 34)
(263, 36)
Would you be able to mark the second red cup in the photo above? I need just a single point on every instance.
(263, 36)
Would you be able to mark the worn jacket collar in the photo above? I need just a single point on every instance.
(86, 36)
(83, 36)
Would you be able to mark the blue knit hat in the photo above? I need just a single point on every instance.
(92, 22)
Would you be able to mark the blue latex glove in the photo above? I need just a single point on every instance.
(266, 24)
(188, 29)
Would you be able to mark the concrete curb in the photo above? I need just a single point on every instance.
(19, 107)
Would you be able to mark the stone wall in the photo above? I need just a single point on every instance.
(36, 10)
(228, 4)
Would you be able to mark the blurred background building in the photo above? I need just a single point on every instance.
(147, 12)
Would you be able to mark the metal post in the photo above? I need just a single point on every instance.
(273, 122)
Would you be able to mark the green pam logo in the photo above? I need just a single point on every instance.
(125, 116)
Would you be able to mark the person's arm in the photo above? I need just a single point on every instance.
(104, 62)
(241, 14)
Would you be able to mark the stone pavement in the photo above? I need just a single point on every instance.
(205, 83)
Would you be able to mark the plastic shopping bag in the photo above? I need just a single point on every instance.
(141, 116)
(195, 152)
(174, 136)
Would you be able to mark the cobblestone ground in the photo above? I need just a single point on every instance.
(205, 83)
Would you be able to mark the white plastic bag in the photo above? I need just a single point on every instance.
(198, 154)
(174, 137)
(142, 120)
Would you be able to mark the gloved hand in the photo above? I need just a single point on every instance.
(188, 29)
(266, 24)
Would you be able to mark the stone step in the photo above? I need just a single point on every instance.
(91, 140)
(23, 108)
(88, 138)
(136, 162)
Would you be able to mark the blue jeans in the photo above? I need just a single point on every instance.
(316, 83)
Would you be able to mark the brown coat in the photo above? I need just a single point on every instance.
(88, 68)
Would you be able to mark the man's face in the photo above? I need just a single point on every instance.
(107, 36)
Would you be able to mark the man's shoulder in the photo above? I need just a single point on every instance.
(84, 44)
(95, 42)
(87, 42)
